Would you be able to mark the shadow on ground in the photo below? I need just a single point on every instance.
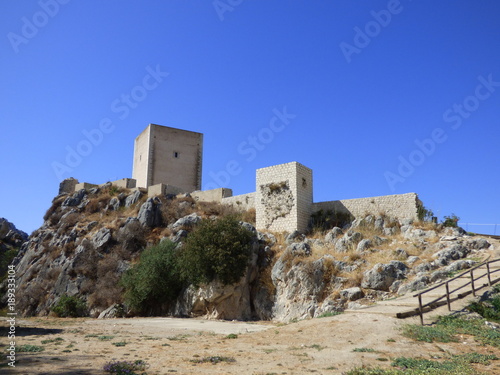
(31, 331)
(26, 363)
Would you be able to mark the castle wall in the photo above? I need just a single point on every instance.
(243, 201)
(214, 195)
(163, 189)
(401, 206)
(283, 197)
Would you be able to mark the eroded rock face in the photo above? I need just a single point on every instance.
(10, 234)
(218, 301)
(381, 276)
(301, 290)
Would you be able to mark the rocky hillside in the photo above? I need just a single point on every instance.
(11, 239)
(90, 238)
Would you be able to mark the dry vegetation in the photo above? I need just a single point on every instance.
(381, 253)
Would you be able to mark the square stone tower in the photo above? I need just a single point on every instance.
(284, 197)
(169, 156)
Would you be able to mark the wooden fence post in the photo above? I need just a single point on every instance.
(472, 283)
(420, 309)
(489, 276)
(448, 296)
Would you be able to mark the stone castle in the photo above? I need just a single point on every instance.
(169, 161)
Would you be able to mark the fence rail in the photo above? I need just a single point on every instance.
(423, 308)
(469, 226)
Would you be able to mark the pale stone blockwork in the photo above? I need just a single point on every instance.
(283, 198)
(168, 156)
(214, 195)
(243, 201)
(163, 189)
(127, 183)
(84, 185)
(401, 206)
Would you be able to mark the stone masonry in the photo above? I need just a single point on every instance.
(283, 197)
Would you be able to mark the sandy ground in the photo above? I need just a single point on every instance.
(321, 346)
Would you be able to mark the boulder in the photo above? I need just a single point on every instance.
(417, 284)
(332, 235)
(454, 252)
(459, 265)
(299, 249)
(133, 198)
(114, 204)
(363, 245)
(248, 227)
(114, 311)
(295, 236)
(381, 276)
(75, 199)
(352, 294)
(412, 260)
(419, 234)
(101, 238)
(179, 236)
(150, 213)
(478, 244)
(348, 241)
(187, 221)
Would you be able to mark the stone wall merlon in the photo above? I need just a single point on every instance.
(214, 195)
(84, 185)
(127, 183)
(163, 189)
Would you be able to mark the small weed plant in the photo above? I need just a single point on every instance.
(214, 359)
(364, 350)
(126, 367)
(30, 348)
(329, 313)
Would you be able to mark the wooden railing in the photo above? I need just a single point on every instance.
(422, 308)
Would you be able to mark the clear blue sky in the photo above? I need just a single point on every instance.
(379, 97)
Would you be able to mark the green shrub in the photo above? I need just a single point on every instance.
(6, 257)
(451, 221)
(489, 309)
(424, 213)
(154, 280)
(70, 306)
(324, 220)
(216, 249)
